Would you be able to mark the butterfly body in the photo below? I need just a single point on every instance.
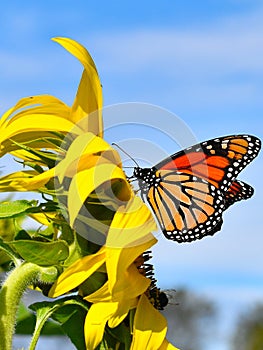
(189, 190)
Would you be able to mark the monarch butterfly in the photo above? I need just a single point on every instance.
(189, 191)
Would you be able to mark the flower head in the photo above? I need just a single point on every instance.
(105, 228)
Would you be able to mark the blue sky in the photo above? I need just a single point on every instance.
(201, 60)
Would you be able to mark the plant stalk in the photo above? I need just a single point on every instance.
(11, 293)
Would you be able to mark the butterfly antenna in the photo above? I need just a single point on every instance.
(127, 154)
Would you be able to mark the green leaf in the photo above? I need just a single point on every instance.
(7, 229)
(46, 207)
(70, 312)
(41, 253)
(47, 233)
(74, 326)
(4, 261)
(22, 235)
(15, 208)
(26, 321)
(8, 250)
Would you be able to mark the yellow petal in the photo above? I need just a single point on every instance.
(87, 112)
(100, 295)
(167, 346)
(95, 322)
(28, 180)
(5, 116)
(78, 156)
(27, 156)
(44, 218)
(34, 104)
(28, 104)
(36, 122)
(150, 326)
(34, 139)
(86, 181)
(129, 236)
(77, 273)
(89, 95)
(122, 311)
(41, 104)
(130, 285)
(131, 225)
(99, 314)
(32, 118)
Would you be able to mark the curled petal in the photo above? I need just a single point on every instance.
(131, 225)
(77, 273)
(91, 162)
(36, 122)
(35, 118)
(25, 106)
(86, 181)
(88, 101)
(100, 295)
(82, 152)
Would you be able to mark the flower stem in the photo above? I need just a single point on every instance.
(39, 325)
(10, 295)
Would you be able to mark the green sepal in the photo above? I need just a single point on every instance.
(48, 158)
(32, 165)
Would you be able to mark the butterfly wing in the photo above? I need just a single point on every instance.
(187, 208)
(219, 160)
(193, 187)
(237, 191)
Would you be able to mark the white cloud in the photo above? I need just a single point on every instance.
(216, 60)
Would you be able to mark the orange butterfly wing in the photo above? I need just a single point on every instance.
(237, 191)
(186, 208)
(189, 190)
